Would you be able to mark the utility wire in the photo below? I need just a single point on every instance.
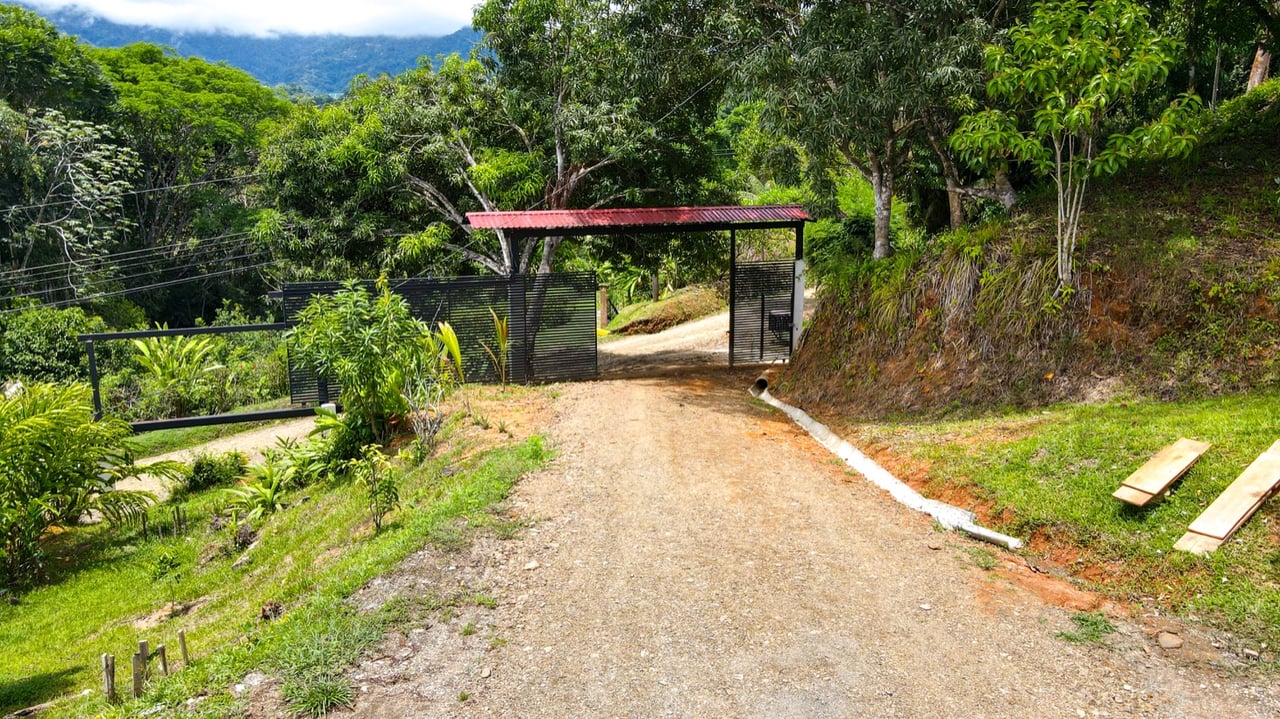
(26, 278)
(141, 275)
(158, 249)
(147, 191)
(144, 288)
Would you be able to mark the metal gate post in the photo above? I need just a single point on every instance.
(733, 290)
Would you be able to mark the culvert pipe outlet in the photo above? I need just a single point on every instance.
(950, 517)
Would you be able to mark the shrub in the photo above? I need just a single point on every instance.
(58, 463)
(215, 470)
(40, 344)
(364, 342)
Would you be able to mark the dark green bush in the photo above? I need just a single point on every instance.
(215, 470)
(1253, 112)
(40, 344)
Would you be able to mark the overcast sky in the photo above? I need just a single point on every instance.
(272, 17)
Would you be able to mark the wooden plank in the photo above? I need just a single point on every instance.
(1166, 466)
(1242, 498)
(1197, 543)
(1129, 495)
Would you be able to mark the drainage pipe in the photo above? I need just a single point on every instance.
(946, 515)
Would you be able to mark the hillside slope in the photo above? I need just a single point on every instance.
(1179, 296)
(318, 63)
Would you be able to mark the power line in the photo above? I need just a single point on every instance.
(110, 257)
(144, 288)
(141, 275)
(149, 190)
(20, 278)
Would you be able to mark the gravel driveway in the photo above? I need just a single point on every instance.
(692, 554)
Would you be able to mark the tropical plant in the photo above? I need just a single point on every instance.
(1068, 73)
(59, 464)
(373, 471)
(263, 494)
(180, 368)
(502, 346)
(365, 342)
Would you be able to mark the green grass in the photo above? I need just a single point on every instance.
(309, 558)
(1091, 628)
(149, 444)
(1049, 475)
(685, 304)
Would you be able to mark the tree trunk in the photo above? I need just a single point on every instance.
(1261, 69)
(882, 188)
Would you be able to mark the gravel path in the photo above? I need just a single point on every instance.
(695, 555)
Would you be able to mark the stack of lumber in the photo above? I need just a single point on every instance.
(1235, 505)
(1153, 478)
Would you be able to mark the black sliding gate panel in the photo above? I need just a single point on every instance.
(760, 311)
(551, 324)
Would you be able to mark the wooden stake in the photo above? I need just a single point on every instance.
(144, 650)
(138, 667)
(109, 676)
(164, 660)
(182, 644)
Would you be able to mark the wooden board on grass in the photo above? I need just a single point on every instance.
(1163, 469)
(1235, 505)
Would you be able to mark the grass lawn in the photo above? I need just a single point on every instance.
(149, 444)
(1048, 476)
(107, 589)
(683, 305)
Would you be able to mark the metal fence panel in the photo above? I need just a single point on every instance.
(760, 311)
(561, 306)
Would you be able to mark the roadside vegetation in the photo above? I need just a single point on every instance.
(1047, 476)
(253, 562)
(683, 305)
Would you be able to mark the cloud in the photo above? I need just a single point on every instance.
(281, 17)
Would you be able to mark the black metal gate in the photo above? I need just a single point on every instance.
(761, 298)
(551, 324)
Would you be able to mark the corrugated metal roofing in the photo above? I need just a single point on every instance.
(638, 218)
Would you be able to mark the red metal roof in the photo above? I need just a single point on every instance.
(582, 221)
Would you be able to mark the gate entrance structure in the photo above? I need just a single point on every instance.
(764, 297)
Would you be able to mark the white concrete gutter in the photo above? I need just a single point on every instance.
(948, 516)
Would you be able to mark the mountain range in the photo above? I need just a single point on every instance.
(323, 64)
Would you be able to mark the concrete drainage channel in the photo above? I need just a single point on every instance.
(952, 518)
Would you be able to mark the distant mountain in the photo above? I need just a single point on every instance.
(318, 63)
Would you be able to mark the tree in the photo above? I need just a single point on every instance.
(570, 106)
(1067, 74)
(198, 128)
(66, 180)
(42, 68)
(853, 82)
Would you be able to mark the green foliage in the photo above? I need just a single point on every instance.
(856, 85)
(1067, 75)
(64, 182)
(179, 369)
(262, 494)
(365, 343)
(1255, 112)
(215, 470)
(1091, 628)
(39, 343)
(501, 346)
(58, 463)
(374, 472)
(42, 68)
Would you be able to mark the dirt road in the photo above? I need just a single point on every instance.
(692, 554)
